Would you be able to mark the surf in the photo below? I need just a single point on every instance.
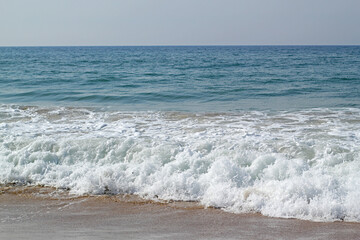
(291, 164)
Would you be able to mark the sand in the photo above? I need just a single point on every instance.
(43, 213)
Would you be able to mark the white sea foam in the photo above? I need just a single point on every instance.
(302, 164)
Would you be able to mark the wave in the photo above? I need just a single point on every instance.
(290, 164)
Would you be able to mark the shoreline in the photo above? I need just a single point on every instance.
(41, 212)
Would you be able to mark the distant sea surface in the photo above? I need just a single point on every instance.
(267, 129)
(196, 79)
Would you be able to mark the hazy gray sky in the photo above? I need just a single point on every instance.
(175, 22)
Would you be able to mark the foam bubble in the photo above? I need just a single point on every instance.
(300, 164)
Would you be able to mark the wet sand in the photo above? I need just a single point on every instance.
(42, 213)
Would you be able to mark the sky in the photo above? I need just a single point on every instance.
(179, 22)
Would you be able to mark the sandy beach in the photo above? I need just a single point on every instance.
(42, 213)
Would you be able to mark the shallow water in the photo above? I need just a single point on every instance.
(28, 216)
(301, 164)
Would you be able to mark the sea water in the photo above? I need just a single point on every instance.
(267, 129)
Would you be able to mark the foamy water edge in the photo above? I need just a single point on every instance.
(299, 164)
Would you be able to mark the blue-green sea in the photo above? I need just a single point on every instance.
(196, 79)
(249, 129)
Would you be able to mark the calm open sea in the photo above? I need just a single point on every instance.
(268, 129)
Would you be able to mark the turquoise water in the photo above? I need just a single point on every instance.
(206, 79)
(273, 130)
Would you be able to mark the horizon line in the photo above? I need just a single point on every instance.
(194, 45)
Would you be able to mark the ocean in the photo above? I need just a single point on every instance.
(248, 129)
